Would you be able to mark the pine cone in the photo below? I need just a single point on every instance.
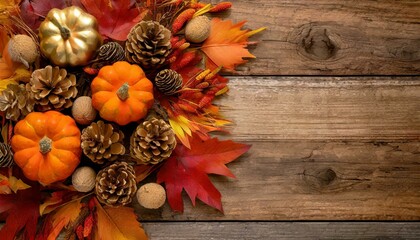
(53, 88)
(110, 53)
(148, 44)
(6, 155)
(168, 81)
(102, 143)
(16, 102)
(116, 184)
(152, 142)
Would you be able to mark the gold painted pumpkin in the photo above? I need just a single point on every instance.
(46, 146)
(122, 93)
(69, 36)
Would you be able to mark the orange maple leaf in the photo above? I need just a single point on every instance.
(117, 224)
(226, 45)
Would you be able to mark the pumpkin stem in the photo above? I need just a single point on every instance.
(122, 92)
(65, 33)
(45, 145)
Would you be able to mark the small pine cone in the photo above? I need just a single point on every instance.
(53, 88)
(148, 44)
(102, 143)
(116, 184)
(16, 102)
(168, 81)
(6, 155)
(152, 142)
(110, 53)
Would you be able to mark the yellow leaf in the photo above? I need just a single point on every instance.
(4, 83)
(226, 45)
(64, 216)
(118, 224)
(9, 184)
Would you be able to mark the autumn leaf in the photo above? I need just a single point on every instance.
(22, 210)
(188, 169)
(10, 183)
(33, 12)
(61, 218)
(226, 45)
(56, 200)
(117, 224)
(115, 17)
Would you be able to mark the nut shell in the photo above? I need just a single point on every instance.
(83, 179)
(83, 111)
(198, 29)
(151, 196)
(22, 48)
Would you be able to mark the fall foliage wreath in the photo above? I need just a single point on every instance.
(97, 95)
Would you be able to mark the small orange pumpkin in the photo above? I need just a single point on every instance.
(46, 146)
(122, 93)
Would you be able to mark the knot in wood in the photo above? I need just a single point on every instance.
(318, 44)
(319, 178)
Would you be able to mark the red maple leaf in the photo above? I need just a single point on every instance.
(33, 12)
(115, 17)
(22, 210)
(189, 168)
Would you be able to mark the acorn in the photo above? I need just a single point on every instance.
(23, 49)
(84, 179)
(151, 196)
(83, 111)
(198, 29)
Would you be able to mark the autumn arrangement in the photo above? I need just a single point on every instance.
(107, 104)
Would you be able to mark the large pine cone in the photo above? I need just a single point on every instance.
(6, 155)
(116, 184)
(53, 88)
(148, 44)
(102, 143)
(16, 102)
(152, 142)
(168, 81)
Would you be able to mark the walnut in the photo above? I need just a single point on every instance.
(151, 196)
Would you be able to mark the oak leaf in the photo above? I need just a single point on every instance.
(117, 224)
(115, 17)
(188, 169)
(226, 44)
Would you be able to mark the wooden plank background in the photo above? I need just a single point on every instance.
(332, 109)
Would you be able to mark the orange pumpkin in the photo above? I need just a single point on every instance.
(46, 146)
(122, 93)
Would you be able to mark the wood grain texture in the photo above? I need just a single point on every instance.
(323, 149)
(306, 180)
(297, 108)
(332, 37)
(279, 231)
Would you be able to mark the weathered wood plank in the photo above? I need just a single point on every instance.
(332, 37)
(278, 231)
(309, 180)
(323, 149)
(297, 108)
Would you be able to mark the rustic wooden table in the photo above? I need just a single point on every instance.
(332, 109)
